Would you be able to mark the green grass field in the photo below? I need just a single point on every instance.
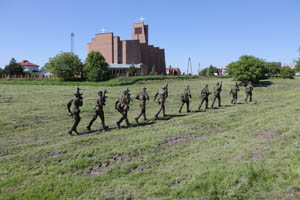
(246, 151)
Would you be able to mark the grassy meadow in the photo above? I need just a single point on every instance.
(245, 151)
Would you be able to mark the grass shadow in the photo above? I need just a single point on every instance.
(264, 83)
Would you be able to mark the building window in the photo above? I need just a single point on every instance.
(138, 30)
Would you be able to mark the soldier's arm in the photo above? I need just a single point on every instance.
(69, 105)
(155, 96)
(147, 96)
(116, 104)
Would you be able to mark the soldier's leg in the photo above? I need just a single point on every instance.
(250, 96)
(126, 119)
(219, 100)
(182, 104)
(206, 103)
(160, 109)
(202, 100)
(164, 109)
(121, 119)
(247, 94)
(92, 121)
(213, 103)
(101, 115)
(188, 106)
(76, 122)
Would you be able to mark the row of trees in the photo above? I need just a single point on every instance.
(13, 68)
(68, 67)
(250, 68)
(210, 71)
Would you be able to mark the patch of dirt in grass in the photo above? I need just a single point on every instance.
(181, 139)
(258, 154)
(56, 154)
(105, 166)
(264, 133)
(176, 185)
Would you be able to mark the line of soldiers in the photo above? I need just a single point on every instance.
(123, 103)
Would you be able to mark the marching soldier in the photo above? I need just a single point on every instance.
(217, 94)
(234, 92)
(143, 97)
(162, 95)
(75, 102)
(99, 110)
(185, 99)
(204, 97)
(249, 89)
(122, 106)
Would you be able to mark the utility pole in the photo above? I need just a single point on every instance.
(189, 67)
(72, 42)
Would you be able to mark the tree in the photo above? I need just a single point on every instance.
(247, 68)
(212, 70)
(13, 68)
(153, 70)
(203, 72)
(297, 67)
(1, 72)
(67, 66)
(272, 68)
(287, 72)
(96, 68)
(132, 70)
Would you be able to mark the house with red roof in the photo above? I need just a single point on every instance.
(173, 71)
(29, 67)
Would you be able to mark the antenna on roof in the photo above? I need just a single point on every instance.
(141, 19)
(103, 30)
(72, 42)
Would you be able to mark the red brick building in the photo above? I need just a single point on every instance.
(134, 51)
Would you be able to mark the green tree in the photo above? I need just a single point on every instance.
(1, 72)
(297, 67)
(67, 66)
(153, 71)
(96, 68)
(203, 72)
(13, 68)
(247, 68)
(132, 70)
(211, 70)
(287, 72)
(272, 68)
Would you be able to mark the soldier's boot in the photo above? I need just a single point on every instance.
(136, 120)
(188, 108)
(76, 132)
(118, 125)
(70, 132)
(88, 128)
(127, 123)
(180, 108)
(156, 116)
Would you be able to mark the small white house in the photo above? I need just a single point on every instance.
(29, 67)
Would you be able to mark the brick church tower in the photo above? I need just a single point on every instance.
(134, 51)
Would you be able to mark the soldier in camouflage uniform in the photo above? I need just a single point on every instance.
(204, 97)
(122, 106)
(234, 91)
(217, 94)
(99, 110)
(249, 89)
(75, 102)
(185, 99)
(143, 97)
(162, 95)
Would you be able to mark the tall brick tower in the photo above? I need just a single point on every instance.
(140, 32)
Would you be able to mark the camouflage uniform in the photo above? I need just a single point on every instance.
(99, 110)
(249, 89)
(234, 92)
(143, 97)
(75, 102)
(185, 99)
(217, 94)
(122, 105)
(162, 96)
(204, 97)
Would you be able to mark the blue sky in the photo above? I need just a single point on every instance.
(213, 32)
